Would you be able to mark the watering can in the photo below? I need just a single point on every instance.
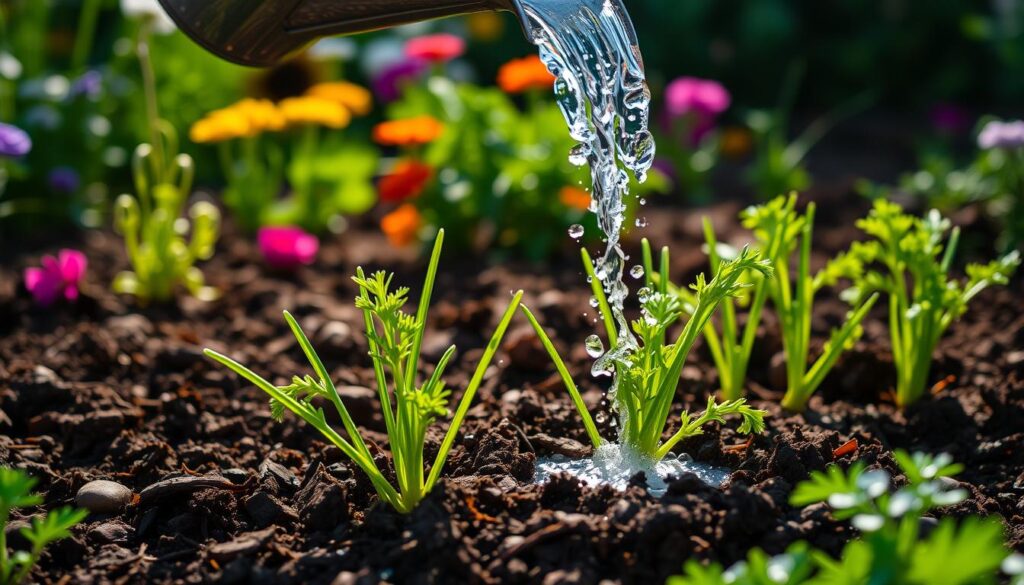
(265, 32)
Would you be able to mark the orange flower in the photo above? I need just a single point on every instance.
(401, 225)
(355, 98)
(408, 132)
(574, 198)
(307, 110)
(407, 180)
(736, 142)
(524, 74)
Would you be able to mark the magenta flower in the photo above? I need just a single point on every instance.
(703, 97)
(439, 48)
(286, 247)
(57, 276)
(697, 102)
(950, 118)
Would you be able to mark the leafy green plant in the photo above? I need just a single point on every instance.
(783, 232)
(154, 230)
(16, 492)
(647, 367)
(892, 549)
(924, 300)
(409, 408)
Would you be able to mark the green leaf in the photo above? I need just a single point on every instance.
(823, 485)
(55, 525)
(958, 555)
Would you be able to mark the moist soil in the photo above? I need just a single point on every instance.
(105, 389)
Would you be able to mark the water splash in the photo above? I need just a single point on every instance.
(591, 47)
(614, 465)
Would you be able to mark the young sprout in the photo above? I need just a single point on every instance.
(647, 371)
(782, 231)
(891, 548)
(730, 349)
(16, 492)
(915, 257)
(409, 406)
(154, 231)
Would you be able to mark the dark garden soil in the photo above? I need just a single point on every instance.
(103, 390)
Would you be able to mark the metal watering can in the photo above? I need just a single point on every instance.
(265, 32)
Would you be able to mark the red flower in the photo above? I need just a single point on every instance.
(406, 181)
(435, 48)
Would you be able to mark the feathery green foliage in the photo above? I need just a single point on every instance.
(648, 366)
(16, 492)
(891, 550)
(909, 260)
(408, 407)
(154, 230)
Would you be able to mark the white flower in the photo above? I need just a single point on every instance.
(151, 10)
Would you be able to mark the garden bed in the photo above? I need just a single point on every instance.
(103, 390)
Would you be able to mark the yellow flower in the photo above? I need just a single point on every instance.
(263, 115)
(221, 125)
(356, 99)
(306, 110)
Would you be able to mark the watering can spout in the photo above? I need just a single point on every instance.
(265, 32)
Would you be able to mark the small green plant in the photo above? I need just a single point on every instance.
(781, 230)
(395, 338)
(647, 367)
(16, 492)
(155, 232)
(924, 300)
(891, 550)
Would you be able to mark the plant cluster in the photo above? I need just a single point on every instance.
(648, 365)
(16, 492)
(409, 405)
(897, 545)
(909, 260)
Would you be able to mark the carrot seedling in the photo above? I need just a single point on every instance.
(647, 367)
(408, 407)
(915, 256)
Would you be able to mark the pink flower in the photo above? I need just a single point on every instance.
(690, 95)
(437, 48)
(699, 102)
(57, 276)
(287, 247)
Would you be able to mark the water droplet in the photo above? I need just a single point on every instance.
(600, 417)
(643, 294)
(643, 201)
(641, 222)
(595, 347)
(593, 302)
(637, 272)
(576, 231)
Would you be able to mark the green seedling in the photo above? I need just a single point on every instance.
(408, 406)
(155, 233)
(892, 549)
(914, 257)
(781, 230)
(16, 492)
(647, 367)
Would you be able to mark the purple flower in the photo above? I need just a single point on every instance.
(57, 276)
(998, 134)
(389, 82)
(950, 118)
(14, 142)
(64, 180)
(287, 247)
(89, 84)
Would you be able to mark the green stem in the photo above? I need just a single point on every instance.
(85, 34)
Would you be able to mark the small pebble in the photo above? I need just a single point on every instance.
(103, 497)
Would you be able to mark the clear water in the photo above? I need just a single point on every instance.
(591, 47)
(614, 465)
